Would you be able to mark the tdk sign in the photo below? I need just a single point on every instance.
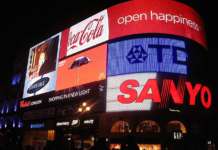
(147, 55)
(137, 54)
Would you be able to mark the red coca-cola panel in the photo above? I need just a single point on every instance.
(156, 16)
(85, 34)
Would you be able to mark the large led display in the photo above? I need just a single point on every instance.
(156, 16)
(41, 68)
(140, 91)
(114, 89)
(147, 55)
(82, 68)
(131, 18)
(76, 63)
(92, 31)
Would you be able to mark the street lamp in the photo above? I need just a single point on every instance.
(88, 108)
(80, 109)
(84, 104)
(84, 107)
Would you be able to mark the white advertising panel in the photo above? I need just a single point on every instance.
(91, 31)
(113, 91)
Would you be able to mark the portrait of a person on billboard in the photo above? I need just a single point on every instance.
(43, 58)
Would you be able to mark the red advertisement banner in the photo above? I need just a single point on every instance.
(156, 16)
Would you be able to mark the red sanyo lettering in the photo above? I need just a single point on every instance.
(206, 102)
(127, 87)
(90, 32)
(175, 92)
(152, 92)
(192, 92)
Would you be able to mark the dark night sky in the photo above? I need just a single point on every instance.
(25, 24)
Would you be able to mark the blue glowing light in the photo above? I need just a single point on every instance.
(20, 124)
(14, 124)
(16, 79)
(15, 106)
(2, 110)
(37, 125)
(7, 109)
(147, 55)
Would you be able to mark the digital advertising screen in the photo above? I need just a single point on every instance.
(154, 54)
(131, 56)
(119, 89)
(85, 67)
(156, 16)
(90, 32)
(150, 91)
(156, 72)
(41, 68)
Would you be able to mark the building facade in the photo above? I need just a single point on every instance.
(134, 72)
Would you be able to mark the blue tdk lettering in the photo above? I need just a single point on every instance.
(147, 55)
(137, 54)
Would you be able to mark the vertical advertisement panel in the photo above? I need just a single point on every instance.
(90, 32)
(156, 16)
(85, 67)
(41, 68)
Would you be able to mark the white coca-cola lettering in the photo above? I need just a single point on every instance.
(90, 32)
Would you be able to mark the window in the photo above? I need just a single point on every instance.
(120, 127)
(148, 126)
(176, 126)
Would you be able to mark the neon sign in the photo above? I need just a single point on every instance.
(147, 55)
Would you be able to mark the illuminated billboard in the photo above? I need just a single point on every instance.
(116, 46)
(141, 91)
(114, 103)
(90, 32)
(147, 55)
(132, 18)
(41, 68)
(85, 67)
(156, 16)
(149, 73)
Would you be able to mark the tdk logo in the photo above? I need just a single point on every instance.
(147, 55)
(136, 54)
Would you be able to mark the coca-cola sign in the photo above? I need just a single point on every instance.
(88, 33)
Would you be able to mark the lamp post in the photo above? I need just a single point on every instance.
(84, 108)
